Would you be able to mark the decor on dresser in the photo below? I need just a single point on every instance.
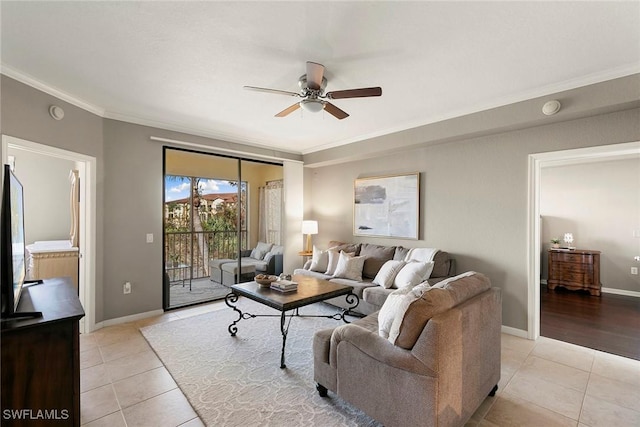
(387, 206)
(309, 228)
(555, 243)
(568, 240)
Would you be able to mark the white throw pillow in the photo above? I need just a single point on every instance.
(319, 260)
(349, 266)
(387, 273)
(332, 263)
(413, 273)
(261, 250)
(400, 308)
(389, 310)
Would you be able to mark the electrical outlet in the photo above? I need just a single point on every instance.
(126, 289)
(634, 270)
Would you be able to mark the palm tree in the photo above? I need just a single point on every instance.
(203, 249)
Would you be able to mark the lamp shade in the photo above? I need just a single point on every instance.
(309, 227)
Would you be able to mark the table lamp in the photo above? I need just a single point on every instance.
(309, 228)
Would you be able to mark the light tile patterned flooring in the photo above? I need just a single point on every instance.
(544, 383)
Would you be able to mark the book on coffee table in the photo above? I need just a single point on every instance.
(284, 285)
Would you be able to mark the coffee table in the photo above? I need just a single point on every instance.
(310, 290)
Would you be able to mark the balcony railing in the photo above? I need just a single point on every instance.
(197, 248)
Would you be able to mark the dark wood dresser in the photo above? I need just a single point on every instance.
(41, 358)
(575, 269)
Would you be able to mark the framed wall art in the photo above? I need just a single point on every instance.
(387, 206)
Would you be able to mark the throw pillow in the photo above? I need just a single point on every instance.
(424, 302)
(332, 263)
(388, 273)
(261, 250)
(319, 260)
(413, 273)
(349, 267)
(389, 310)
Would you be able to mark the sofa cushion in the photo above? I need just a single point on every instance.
(275, 250)
(376, 257)
(316, 274)
(261, 250)
(388, 273)
(377, 295)
(319, 260)
(413, 273)
(349, 266)
(424, 301)
(353, 248)
(401, 253)
(441, 265)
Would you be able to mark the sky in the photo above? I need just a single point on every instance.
(177, 187)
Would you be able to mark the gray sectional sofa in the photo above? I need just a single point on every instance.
(372, 296)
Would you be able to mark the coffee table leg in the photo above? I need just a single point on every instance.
(229, 300)
(284, 331)
(353, 301)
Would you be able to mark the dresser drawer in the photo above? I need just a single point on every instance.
(573, 258)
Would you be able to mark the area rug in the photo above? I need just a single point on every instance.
(237, 381)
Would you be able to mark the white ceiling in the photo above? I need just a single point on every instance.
(182, 65)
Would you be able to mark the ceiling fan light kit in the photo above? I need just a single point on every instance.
(312, 105)
(312, 87)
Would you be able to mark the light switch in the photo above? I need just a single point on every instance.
(149, 237)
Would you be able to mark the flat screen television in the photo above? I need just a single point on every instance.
(12, 249)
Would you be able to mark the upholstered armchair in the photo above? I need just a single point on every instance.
(439, 363)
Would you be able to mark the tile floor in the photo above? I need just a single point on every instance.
(543, 383)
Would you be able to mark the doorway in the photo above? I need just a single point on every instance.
(86, 166)
(214, 214)
(535, 249)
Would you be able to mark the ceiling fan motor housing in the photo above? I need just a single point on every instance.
(307, 91)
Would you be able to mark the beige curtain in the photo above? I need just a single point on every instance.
(270, 221)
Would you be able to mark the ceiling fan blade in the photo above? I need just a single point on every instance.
(355, 93)
(288, 110)
(315, 72)
(276, 91)
(335, 111)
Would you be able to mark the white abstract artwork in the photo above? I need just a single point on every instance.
(387, 206)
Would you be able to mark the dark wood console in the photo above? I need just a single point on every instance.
(41, 358)
(575, 269)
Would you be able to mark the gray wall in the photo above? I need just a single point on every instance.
(599, 202)
(473, 196)
(129, 189)
(46, 184)
(25, 114)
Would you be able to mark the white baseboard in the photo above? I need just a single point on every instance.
(126, 319)
(621, 292)
(609, 290)
(514, 331)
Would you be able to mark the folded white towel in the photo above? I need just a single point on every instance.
(421, 254)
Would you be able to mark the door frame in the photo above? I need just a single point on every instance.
(87, 222)
(536, 163)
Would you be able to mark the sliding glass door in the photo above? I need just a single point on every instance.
(216, 209)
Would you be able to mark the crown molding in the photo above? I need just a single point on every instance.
(548, 90)
(50, 90)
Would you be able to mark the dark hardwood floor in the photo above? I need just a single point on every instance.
(609, 323)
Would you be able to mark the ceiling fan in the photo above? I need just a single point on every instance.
(314, 99)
